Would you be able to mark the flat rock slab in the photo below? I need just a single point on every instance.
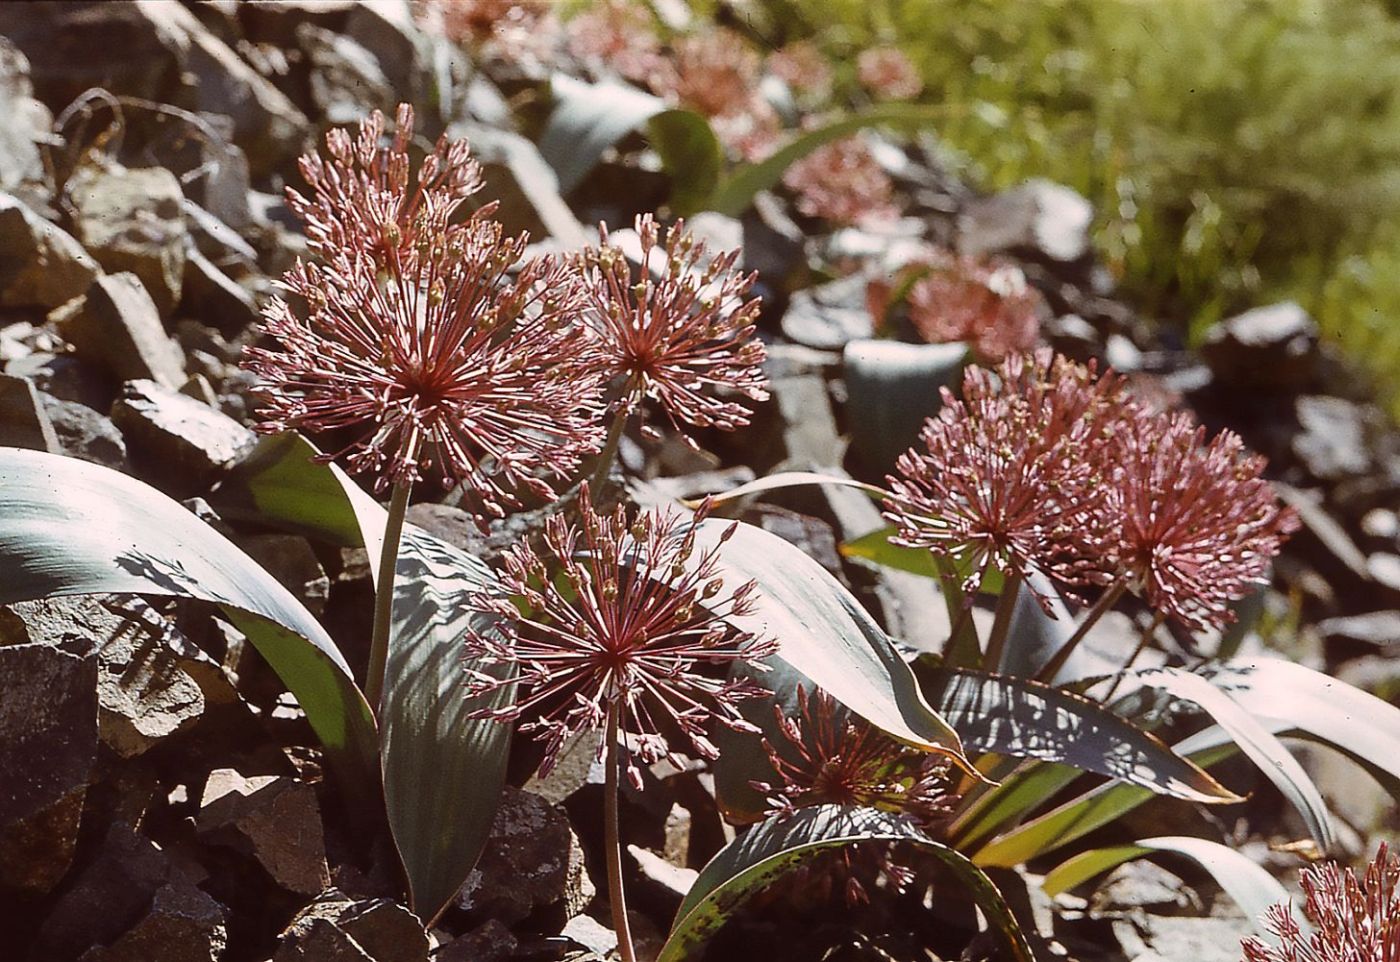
(186, 443)
(275, 819)
(118, 327)
(41, 265)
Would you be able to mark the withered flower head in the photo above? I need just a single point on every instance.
(833, 757)
(628, 623)
(1354, 921)
(365, 197)
(616, 35)
(453, 364)
(842, 182)
(887, 72)
(985, 304)
(677, 332)
(1198, 524)
(1008, 473)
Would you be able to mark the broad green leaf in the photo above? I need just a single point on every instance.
(1018, 796)
(893, 388)
(749, 863)
(1253, 889)
(442, 771)
(68, 527)
(737, 191)
(825, 634)
(877, 547)
(1028, 719)
(589, 118)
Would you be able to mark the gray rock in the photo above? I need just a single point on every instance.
(214, 298)
(1271, 347)
(184, 925)
(525, 185)
(830, 316)
(1381, 523)
(387, 29)
(48, 743)
(27, 121)
(144, 694)
(275, 819)
(118, 327)
(132, 220)
(41, 265)
(810, 438)
(1324, 527)
(1141, 884)
(66, 377)
(291, 561)
(532, 860)
(665, 884)
(1373, 628)
(84, 433)
(106, 898)
(346, 79)
(893, 388)
(594, 936)
(1164, 938)
(383, 930)
(1038, 218)
(218, 240)
(320, 941)
(191, 443)
(489, 942)
(1332, 443)
(24, 421)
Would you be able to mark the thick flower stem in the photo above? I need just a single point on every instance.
(384, 596)
(1106, 601)
(609, 454)
(612, 764)
(1147, 634)
(1001, 626)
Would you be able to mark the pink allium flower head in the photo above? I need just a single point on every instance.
(510, 29)
(841, 182)
(1198, 524)
(714, 72)
(986, 304)
(833, 757)
(1008, 474)
(639, 613)
(364, 196)
(802, 67)
(452, 365)
(1353, 921)
(887, 73)
(616, 35)
(677, 332)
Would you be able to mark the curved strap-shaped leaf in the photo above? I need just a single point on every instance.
(69, 527)
(826, 635)
(737, 191)
(780, 844)
(442, 771)
(1029, 719)
(1253, 889)
(892, 390)
(589, 118)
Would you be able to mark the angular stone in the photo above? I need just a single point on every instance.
(187, 444)
(119, 328)
(381, 930)
(41, 265)
(131, 220)
(665, 884)
(48, 743)
(106, 898)
(144, 694)
(1332, 443)
(320, 941)
(1270, 347)
(810, 438)
(212, 297)
(532, 860)
(523, 182)
(84, 433)
(24, 422)
(1040, 218)
(346, 79)
(489, 942)
(828, 317)
(593, 935)
(388, 30)
(184, 925)
(275, 819)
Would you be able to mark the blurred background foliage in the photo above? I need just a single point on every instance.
(1237, 152)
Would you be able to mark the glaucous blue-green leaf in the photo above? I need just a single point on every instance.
(892, 388)
(68, 527)
(781, 843)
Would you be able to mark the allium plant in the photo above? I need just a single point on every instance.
(887, 73)
(802, 66)
(623, 620)
(832, 757)
(716, 73)
(1353, 921)
(676, 333)
(616, 36)
(985, 304)
(841, 182)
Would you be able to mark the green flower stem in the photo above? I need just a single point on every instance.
(608, 454)
(384, 596)
(1001, 626)
(1106, 601)
(612, 764)
(1147, 634)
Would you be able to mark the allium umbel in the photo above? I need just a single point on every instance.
(634, 615)
(842, 182)
(887, 72)
(1353, 921)
(1007, 474)
(985, 304)
(679, 335)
